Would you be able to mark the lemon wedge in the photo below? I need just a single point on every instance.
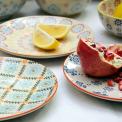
(118, 11)
(43, 40)
(58, 31)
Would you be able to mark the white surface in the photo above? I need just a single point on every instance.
(71, 105)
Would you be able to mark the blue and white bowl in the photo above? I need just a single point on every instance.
(9, 7)
(112, 24)
(63, 7)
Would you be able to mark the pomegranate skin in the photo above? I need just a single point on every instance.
(91, 62)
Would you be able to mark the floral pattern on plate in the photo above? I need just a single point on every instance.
(18, 33)
(25, 86)
(96, 87)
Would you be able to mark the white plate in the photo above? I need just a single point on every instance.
(96, 87)
(16, 36)
(25, 86)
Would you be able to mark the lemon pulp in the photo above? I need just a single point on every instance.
(43, 40)
(118, 11)
(58, 31)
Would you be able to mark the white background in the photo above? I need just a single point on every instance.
(69, 104)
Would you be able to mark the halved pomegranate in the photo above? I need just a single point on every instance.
(117, 48)
(97, 60)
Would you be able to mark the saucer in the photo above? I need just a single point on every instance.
(96, 87)
(25, 86)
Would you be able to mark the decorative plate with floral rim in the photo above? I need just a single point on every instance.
(16, 36)
(25, 86)
(96, 87)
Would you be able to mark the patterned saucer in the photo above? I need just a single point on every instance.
(93, 86)
(16, 36)
(25, 86)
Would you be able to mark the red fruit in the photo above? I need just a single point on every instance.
(110, 83)
(93, 61)
(93, 45)
(119, 52)
(108, 55)
(118, 79)
(117, 48)
(120, 82)
(120, 87)
(101, 48)
(120, 74)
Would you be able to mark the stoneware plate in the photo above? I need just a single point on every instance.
(16, 36)
(92, 86)
(25, 86)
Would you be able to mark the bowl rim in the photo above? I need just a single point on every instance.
(103, 13)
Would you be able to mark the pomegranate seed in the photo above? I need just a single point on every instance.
(119, 52)
(102, 49)
(93, 45)
(118, 79)
(120, 74)
(120, 82)
(109, 56)
(110, 83)
(117, 57)
(120, 87)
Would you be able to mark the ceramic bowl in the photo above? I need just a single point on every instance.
(111, 24)
(63, 7)
(9, 7)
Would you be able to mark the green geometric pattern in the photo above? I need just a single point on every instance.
(24, 85)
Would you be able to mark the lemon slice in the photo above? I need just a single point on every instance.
(58, 31)
(118, 11)
(43, 40)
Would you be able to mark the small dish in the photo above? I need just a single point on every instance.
(96, 87)
(16, 36)
(25, 86)
(112, 24)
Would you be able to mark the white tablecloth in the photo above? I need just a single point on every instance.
(71, 105)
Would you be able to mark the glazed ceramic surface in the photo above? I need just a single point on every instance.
(9, 7)
(93, 86)
(16, 36)
(112, 24)
(25, 86)
(63, 7)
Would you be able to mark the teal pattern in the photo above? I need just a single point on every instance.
(50, 20)
(18, 25)
(23, 83)
(6, 30)
(24, 86)
(83, 35)
(54, 9)
(9, 7)
(32, 70)
(66, 21)
(78, 28)
(76, 7)
(9, 68)
(63, 7)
